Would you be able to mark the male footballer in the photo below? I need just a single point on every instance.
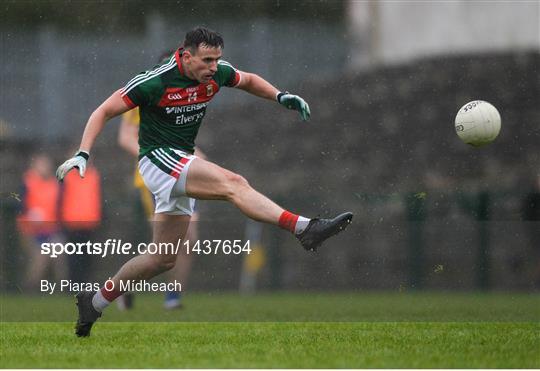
(172, 100)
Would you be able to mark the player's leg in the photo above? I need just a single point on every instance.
(167, 229)
(206, 180)
(209, 181)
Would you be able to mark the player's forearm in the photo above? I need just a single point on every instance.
(95, 124)
(112, 107)
(258, 86)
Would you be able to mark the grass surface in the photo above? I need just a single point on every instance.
(294, 307)
(397, 331)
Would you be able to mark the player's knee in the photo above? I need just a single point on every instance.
(235, 185)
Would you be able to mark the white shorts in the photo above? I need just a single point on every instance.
(164, 171)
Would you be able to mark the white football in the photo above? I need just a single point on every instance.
(478, 123)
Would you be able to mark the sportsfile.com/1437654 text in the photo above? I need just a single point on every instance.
(114, 246)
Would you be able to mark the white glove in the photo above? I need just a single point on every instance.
(78, 161)
(294, 102)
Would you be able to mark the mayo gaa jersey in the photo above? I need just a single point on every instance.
(171, 105)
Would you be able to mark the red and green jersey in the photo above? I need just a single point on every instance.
(172, 105)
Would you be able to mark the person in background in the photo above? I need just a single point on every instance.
(38, 221)
(80, 214)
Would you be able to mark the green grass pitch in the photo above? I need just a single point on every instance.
(281, 330)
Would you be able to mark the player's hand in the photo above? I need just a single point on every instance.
(295, 102)
(78, 161)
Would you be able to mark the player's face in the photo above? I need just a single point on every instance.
(202, 64)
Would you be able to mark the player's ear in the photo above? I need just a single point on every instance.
(186, 56)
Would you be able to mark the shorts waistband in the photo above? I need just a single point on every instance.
(179, 151)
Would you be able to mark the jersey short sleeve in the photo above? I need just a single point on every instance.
(227, 75)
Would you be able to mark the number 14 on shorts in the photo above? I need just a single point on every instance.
(215, 247)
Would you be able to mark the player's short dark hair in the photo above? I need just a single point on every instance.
(201, 35)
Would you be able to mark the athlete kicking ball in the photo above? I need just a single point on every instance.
(172, 100)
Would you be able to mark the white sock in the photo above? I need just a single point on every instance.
(99, 302)
(301, 225)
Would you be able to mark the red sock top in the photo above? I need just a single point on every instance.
(288, 221)
(110, 293)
